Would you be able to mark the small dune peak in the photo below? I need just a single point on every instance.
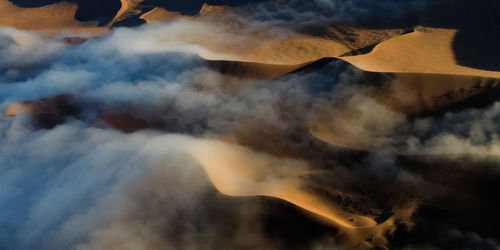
(129, 8)
(208, 9)
(160, 14)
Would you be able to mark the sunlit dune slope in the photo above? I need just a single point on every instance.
(427, 50)
(238, 171)
(129, 8)
(159, 14)
(56, 16)
(263, 46)
(256, 43)
(296, 50)
(259, 43)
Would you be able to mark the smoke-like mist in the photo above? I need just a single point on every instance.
(79, 185)
(93, 179)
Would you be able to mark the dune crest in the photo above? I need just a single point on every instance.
(427, 50)
(238, 171)
(128, 9)
(160, 14)
(55, 16)
(356, 38)
(207, 9)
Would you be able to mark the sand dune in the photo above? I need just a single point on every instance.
(417, 94)
(238, 171)
(260, 44)
(356, 38)
(255, 45)
(129, 8)
(406, 95)
(56, 16)
(159, 14)
(297, 48)
(251, 70)
(427, 50)
(424, 79)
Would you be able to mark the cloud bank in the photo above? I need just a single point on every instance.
(87, 183)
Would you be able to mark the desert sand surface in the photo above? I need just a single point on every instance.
(228, 105)
(409, 95)
(158, 14)
(238, 171)
(128, 9)
(49, 18)
(251, 70)
(427, 50)
(55, 16)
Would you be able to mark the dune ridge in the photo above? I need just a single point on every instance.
(129, 8)
(54, 16)
(426, 50)
(238, 171)
(158, 14)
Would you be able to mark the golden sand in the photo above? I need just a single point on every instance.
(238, 171)
(159, 14)
(427, 50)
(57, 16)
(15, 108)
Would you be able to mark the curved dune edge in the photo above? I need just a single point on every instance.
(252, 70)
(158, 14)
(50, 18)
(238, 171)
(262, 45)
(129, 8)
(301, 49)
(427, 50)
(424, 51)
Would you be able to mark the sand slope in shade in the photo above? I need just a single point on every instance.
(356, 38)
(427, 50)
(250, 70)
(406, 95)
